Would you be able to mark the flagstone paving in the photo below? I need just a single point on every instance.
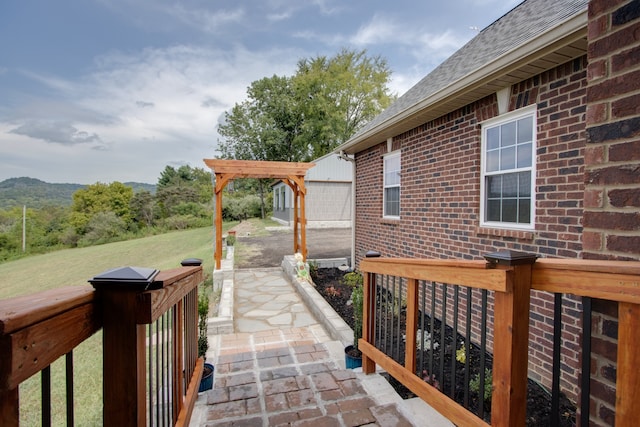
(281, 368)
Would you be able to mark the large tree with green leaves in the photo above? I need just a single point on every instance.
(339, 95)
(266, 126)
(99, 197)
(306, 116)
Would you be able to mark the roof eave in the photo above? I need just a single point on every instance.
(563, 34)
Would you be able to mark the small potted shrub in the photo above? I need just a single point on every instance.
(206, 383)
(353, 356)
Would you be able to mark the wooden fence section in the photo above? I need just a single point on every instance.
(35, 330)
(511, 281)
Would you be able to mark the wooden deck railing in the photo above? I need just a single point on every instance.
(156, 325)
(511, 282)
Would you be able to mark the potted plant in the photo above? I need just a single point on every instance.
(353, 356)
(206, 383)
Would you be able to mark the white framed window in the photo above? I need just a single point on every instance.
(391, 172)
(508, 170)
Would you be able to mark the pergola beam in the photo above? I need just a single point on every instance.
(291, 173)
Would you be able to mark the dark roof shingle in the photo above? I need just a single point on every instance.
(523, 23)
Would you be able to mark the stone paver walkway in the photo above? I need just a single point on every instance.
(265, 300)
(281, 368)
(285, 378)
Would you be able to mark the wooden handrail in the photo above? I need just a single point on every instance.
(610, 280)
(464, 273)
(38, 329)
(617, 281)
(25, 310)
(173, 286)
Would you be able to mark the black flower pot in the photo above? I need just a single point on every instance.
(352, 357)
(206, 383)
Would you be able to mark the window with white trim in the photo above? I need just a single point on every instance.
(508, 170)
(391, 171)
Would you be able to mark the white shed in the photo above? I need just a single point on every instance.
(328, 200)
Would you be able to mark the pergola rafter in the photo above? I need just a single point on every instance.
(290, 173)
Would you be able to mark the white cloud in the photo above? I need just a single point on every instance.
(138, 112)
(211, 22)
(58, 132)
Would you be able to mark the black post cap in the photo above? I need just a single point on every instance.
(510, 258)
(135, 278)
(190, 262)
(372, 254)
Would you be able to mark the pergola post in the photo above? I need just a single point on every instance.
(295, 218)
(218, 215)
(303, 224)
(291, 173)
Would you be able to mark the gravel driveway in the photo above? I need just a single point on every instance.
(268, 251)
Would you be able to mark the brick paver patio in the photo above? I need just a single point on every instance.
(287, 378)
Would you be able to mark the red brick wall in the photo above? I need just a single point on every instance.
(612, 165)
(440, 195)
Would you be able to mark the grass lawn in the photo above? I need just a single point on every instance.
(75, 267)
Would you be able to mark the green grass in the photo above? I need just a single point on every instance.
(75, 267)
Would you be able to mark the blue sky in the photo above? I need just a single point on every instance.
(115, 90)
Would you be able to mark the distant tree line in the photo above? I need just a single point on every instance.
(296, 118)
(102, 213)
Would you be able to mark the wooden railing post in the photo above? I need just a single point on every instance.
(628, 378)
(124, 345)
(9, 407)
(368, 313)
(511, 339)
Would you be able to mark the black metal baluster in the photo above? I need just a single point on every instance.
(585, 392)
(555, 375)
(398, 309)
(383, 310)
(165, 382)
(432, 315)
(158, 376)
(378, 308)
(69, 387)
(454, 345)
(467, 349)
(483, 349)
(393, 317)
(443, 326)
(45, 392)
(169, 405)
(150, 373)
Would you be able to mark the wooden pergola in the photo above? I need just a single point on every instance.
(291, 174)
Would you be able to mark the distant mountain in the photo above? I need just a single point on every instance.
(35, 193)
(139, 186)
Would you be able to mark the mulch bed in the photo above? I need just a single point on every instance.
(329, 284)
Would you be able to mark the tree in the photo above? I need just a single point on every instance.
(266, 126)
(142, 208)
(186, 176)
(99, 197)
(339, 95)
(306, 116)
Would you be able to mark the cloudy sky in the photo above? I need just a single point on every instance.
(115, 90)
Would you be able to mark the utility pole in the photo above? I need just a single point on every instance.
(24, 228)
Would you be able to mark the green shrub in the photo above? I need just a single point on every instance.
(474, 384)
(203, 317)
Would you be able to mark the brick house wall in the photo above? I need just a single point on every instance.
(440, 196)
(612, 165)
